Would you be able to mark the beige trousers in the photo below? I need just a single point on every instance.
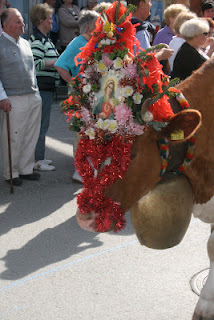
(25, 120)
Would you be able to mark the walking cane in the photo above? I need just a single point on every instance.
(9, 152)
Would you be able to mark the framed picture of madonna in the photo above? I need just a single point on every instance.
(107, 99)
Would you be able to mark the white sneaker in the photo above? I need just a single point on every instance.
(41, 165)
(47, 161)
(76, 177)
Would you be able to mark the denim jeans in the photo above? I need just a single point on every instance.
(47, 99)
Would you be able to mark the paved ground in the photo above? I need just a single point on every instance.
(50, 269)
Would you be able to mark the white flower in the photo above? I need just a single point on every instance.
(127, 58)
(108, 42)
(112, 126)
(91, 133)
(99, 124)
(86, 88)
(118, 63)
(127, 91)
(103, 41)
(147, 116)
(137, 97)
(107, 124)
(102, 67)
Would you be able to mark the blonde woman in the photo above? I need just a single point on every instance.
(167, 32)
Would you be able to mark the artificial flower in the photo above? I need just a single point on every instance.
(90, 133)
(102, 67)
(108, 62)
(86, 88)
(112, 127)
(118, 63)
(127, 91)
(86, 116)
(99, 123)
(106, 124)
(137, 97)
(122, 113)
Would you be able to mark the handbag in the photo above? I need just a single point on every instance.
(46, 83)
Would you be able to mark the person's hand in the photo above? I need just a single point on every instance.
(164, 54)
(5, 105)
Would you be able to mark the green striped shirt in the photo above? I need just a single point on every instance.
(43, 49)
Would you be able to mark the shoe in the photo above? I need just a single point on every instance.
(16, 181)
(47, 161)
(76, 177)
(31, 176)
(41, 165)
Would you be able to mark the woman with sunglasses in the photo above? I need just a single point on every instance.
(188, 58)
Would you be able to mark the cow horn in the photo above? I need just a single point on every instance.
(146, 115)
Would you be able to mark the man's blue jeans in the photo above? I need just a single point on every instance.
(47, 99)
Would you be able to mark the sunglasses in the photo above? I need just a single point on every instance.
(206, 33)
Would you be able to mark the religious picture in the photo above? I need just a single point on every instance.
(107, 99)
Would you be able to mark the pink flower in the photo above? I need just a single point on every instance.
(130, 71)
(108, 62)
(135, 128)
(85, 115)
(122, 114)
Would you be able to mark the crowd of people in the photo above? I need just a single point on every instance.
(30, 71)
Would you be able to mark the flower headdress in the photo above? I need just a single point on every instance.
(108, 123)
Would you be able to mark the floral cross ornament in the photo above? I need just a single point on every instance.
(116, 96)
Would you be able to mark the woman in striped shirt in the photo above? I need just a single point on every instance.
(45, 56)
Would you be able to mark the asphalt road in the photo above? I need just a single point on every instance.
(50, 269)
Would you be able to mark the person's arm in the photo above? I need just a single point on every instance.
(164, 54)
(64, 74)
(4, 101)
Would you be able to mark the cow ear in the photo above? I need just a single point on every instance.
(182, 125)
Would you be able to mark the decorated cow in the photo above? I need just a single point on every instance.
(142, 146)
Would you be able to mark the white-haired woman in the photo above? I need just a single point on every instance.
(188, 58)
(178, 40)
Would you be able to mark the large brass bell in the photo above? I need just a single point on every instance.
(161, 218)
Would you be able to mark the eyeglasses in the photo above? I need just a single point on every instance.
(206, 33)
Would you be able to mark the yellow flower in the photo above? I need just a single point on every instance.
(102, 66)
(107, 26)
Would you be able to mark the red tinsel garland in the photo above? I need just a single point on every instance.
(92, 199)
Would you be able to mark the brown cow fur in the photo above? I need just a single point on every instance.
(198, 90)
(144, 166)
